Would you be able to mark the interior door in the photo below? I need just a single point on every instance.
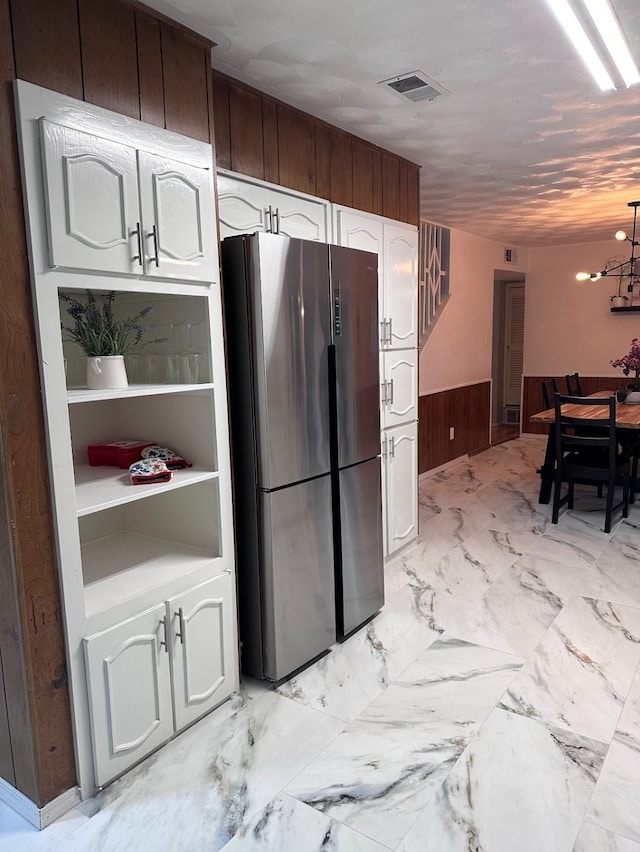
(129, 691)
(91, 201)
(514, 343)
(202, 648)
(179, 228)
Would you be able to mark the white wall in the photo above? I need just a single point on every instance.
(458, 351)
(569, 325)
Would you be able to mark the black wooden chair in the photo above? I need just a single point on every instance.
(549, 390)
(589, 456)
(574, 388)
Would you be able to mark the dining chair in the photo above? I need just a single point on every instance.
(591, 458)
(574, 388)
(549, 390)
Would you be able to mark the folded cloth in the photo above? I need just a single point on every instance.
(149, 470)
(172, 460)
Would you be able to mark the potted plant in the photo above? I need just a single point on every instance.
(631, 363)
(103, 338)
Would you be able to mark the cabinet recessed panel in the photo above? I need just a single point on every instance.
(400, 298)
(91, 200)
(180, 235)
(130, 692)
(202, 651)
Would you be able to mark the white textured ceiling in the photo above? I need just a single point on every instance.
(525, 150)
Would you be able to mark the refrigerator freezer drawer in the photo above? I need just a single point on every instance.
(361, 535)
(298, 584)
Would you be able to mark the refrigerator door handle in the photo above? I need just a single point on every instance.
(337, 320)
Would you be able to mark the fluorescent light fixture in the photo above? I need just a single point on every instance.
(609, 28)
(576, 33)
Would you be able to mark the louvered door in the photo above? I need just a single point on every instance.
(514, 343)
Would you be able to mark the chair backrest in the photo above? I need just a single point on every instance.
(549, 390)
(575, 431)
(574, 388)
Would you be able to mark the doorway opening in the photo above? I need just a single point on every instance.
(507, 354)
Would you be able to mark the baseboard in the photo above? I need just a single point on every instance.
(432, 471)
(38, 817)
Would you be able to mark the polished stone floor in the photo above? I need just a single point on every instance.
(492, 706)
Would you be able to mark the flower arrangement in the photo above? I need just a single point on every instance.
(97, 331)
(631, 362)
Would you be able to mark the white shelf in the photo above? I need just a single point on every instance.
(144, 564)
(103, 487)
(83, 394)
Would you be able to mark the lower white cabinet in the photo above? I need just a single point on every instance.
(245, 207)
(154, 673)
(400, 492)
(398, 387)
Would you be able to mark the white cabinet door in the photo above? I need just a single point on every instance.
(129, 691)
(91, 201)
(245, 207)
(401, 483)
(179, 228)
(400, 287)
(359, 231)
(203, 650)
(399, 386)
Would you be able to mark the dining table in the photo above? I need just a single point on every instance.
(627, 417)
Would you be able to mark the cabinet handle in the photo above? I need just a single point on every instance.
(165, 644)
(180, 633)
(392, 447)
(277, 218)
(138, 234)
(390, 400)
(154, 236)
(383, 400)
(384, 447)
(269, 214)
(383, 326)
(389, 336)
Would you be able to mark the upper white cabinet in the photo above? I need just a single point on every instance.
(116, 209)
(396, 245)
(245, 207)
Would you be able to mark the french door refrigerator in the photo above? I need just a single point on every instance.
(301, 330)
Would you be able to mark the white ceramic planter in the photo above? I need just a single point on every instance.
(632, 398)
(106, 372)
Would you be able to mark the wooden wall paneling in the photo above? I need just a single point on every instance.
(323, 161)
(296, 150)
(423, 443)
(376, 164)
(532, 403)
(270, 142)
(403, 191)
(362, 175)
(47, 44)
(109, 55)
(221, 121)
(478, 401)
(458, 418)
(436, 425)
(390, 186)
(413, 194)
(33, 648)
(341, 168)
(6, 755)
(150, 81)
(185, 68)
(245, 129)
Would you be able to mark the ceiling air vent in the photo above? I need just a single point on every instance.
(415, 86)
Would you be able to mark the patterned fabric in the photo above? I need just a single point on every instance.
(149, 470)
(172, 460)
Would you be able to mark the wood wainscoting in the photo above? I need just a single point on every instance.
(532, 401)
(466, 410)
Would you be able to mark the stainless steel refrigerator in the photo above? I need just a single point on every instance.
(301, 323)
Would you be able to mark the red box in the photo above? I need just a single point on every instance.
(117, 453)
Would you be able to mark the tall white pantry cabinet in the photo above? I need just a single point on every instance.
(247, 205)
(147, 571)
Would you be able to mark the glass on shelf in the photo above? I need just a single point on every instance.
(190, 360)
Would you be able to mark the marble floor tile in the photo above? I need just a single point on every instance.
(18, 835)
(616, 802)
(581, 672)
(592, 838)
(520, 785)
(380, 772)
(287, 825)
(200, 789)
(454, 525)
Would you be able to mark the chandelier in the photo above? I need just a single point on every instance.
(628, 268)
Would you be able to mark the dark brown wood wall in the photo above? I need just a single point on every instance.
(532, 401)
(120, 56)
(263, 138)
(467, 410)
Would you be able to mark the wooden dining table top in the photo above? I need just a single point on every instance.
(627, 416)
